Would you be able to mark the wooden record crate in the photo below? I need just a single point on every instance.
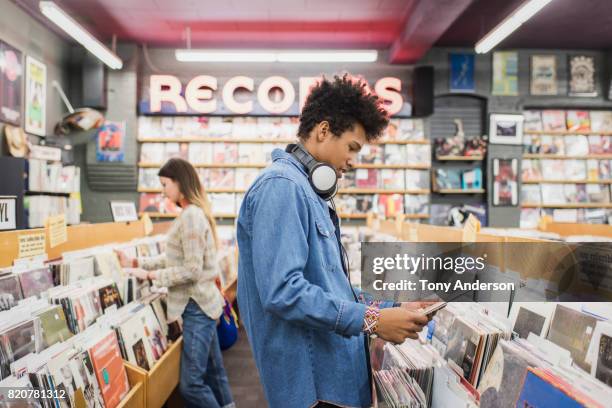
(160, 382)
(136, 397)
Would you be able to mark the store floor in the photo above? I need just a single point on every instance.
(243, 375)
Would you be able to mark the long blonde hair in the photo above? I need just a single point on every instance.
(183, 173)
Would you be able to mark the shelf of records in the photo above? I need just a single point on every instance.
(578, 171)
(46, 177)
(558, 122)
(359, 181)
(253, 129)
(473, 355)
(70, 324)
(530, 217)
(40, 207)
(349, 206)
(565, 195)
(254, 155)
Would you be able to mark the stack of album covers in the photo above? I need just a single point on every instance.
(141, 329)
(468, 335)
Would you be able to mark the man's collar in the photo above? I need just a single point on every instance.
(279, 154)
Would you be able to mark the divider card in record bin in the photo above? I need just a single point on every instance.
(8, 213)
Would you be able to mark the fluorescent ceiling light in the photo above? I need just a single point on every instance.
(80, 34)
(212, 55)
(510, 23)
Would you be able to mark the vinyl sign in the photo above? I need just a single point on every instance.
(8, 214)
(240, 95)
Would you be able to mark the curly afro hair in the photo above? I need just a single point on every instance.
(343, 102)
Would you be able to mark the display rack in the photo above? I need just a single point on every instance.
(150, 131)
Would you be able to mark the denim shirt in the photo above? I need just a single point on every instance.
(296, 303)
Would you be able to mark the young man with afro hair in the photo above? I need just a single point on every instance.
(307, 326)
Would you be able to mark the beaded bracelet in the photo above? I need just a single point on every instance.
(370, 320)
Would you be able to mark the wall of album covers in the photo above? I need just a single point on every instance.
(517, 92)
(22, 36)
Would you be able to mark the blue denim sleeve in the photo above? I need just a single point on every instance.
(279, 228)
(368, 299)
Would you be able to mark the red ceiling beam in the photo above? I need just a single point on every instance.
(426, 22)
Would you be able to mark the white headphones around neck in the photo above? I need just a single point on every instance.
(322, 176)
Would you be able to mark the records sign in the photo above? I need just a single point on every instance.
(543, 75)
(582, 76)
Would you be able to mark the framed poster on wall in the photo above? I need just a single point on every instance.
(11, 74)
(505, 73)
(461, 73)
(582, 76)
(506, 129)
(543, 75)
(505, 182)
(35, 97)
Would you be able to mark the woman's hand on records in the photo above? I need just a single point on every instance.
(126, 261)
(139, 273)
(396, 324)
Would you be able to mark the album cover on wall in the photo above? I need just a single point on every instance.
(575, 170)
(394, 154)
(461, 73)
(152, 153)
(392, 179)
(533, 121)
(416, 204)
(582, 76)
(553, 120)
(505, 73)
(370, 154)
(221, 178)
(578, 121)
(11, 79)
(530, 170)
(530, 193)
(505, 182)
(200, 153)
(601, 121)
(366, 178)
(417, 179)
(576, 145)
(543, 75)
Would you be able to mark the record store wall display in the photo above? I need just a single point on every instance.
(11, 75)
(36, 97)
(582, 76)
(543, 75)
